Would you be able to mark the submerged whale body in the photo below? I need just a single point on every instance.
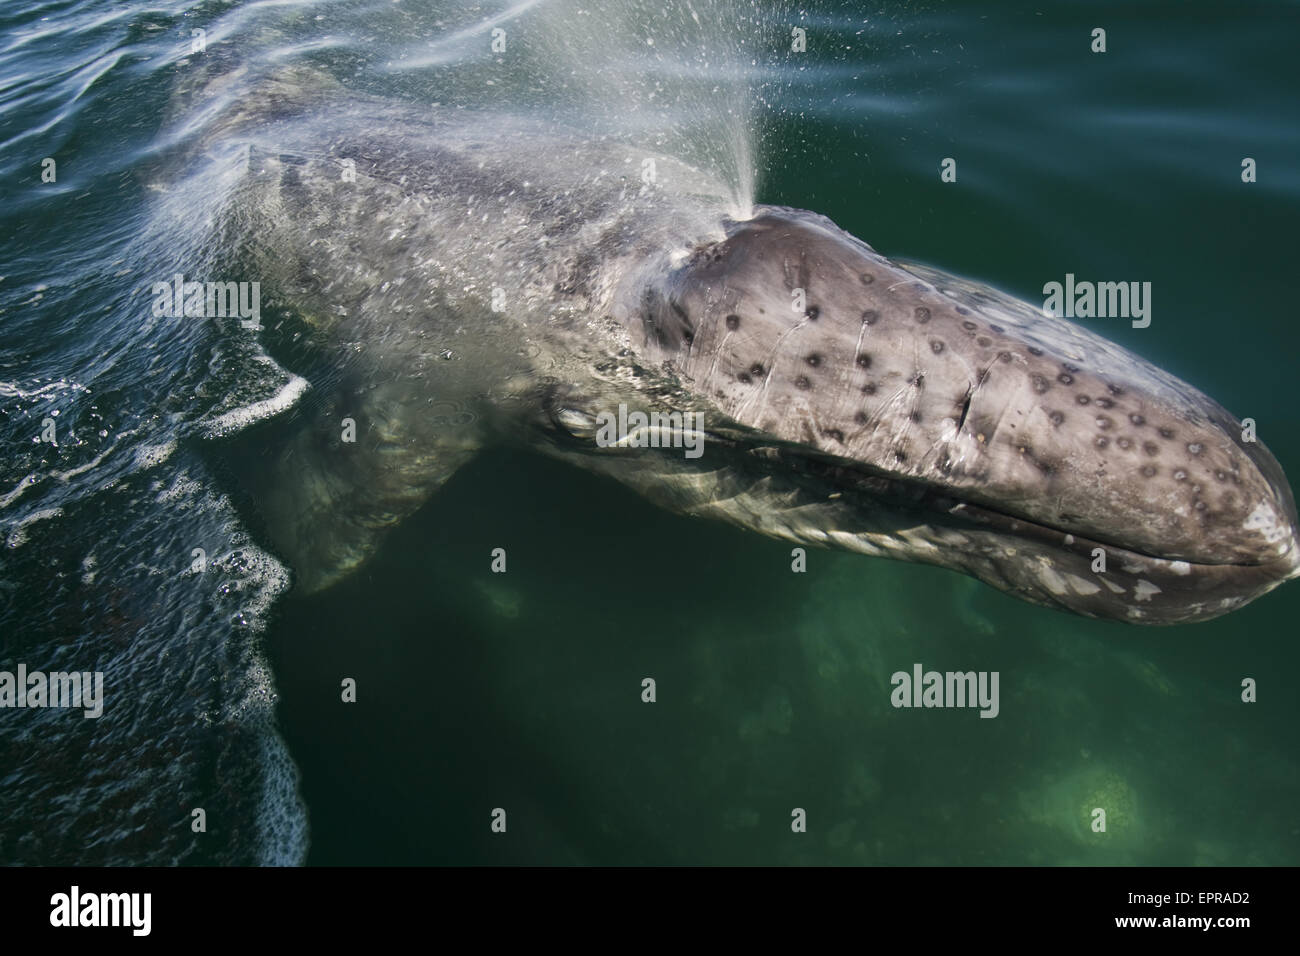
(463, 280)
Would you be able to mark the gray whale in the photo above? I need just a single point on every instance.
(472, 280)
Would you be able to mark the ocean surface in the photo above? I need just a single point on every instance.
(129, 547)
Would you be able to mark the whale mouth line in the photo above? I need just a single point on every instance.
(924, 496)
(916, 494)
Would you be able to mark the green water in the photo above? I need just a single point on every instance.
(523, 690)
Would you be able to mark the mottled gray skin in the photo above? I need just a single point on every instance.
(973, 431)
(904, 413)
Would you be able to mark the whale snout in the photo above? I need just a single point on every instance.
(957, 425)
(1268, 533)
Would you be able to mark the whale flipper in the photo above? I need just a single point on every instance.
(405, 405)
(349, 471)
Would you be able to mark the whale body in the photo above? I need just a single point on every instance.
(449, 280)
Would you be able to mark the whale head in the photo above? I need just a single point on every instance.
(848, 401)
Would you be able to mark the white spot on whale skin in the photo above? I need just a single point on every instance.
(953, 539)
(854, 542)
(920, 544)
(1051, 580)
(1069, 540)
(678, 256)
(1144, 590)
(1116, 588)
(1180, 567)
(1082, 585)
(1264, 520)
